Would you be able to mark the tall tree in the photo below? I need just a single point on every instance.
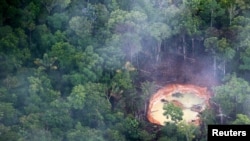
(173, 112)
(128, 25)
(82, 99)
(226, 53)
(81, 28)
(211, 45)
(58, 21)
(80, 132)
(13, 49)
(148, 88)
(188, 130)
(231, 8)
(30, 14)
(159, 31)
(77, 97)
(231, 96)
(193, 21)
(50, 5)
(241, 119)
(210, 11)
(42, 40)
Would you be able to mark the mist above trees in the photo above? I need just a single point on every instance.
(84, 70)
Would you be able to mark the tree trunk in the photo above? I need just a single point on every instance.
(193, 47)
(214, 66)
(130, 54)
(230, 15)
(184, 47)
(137, 61)
(211, 20)
(30, 38)
(158, 51)
(224, 67)
(232, 12)
(221, 115)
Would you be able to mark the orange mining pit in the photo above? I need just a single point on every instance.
(191, 99)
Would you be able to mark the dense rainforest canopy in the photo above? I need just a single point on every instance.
(84, 70)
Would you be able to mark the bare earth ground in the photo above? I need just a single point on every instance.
(173, 69)
(191, 97)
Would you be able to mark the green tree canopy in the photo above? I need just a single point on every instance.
(231, 96)
(173, 112)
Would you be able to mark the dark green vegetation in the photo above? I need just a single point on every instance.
(74, 70)
(173, 112)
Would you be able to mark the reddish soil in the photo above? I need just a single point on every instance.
(172, 72)
(166, 93)
(178, 104)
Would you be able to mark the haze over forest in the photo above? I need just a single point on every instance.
(84, 70)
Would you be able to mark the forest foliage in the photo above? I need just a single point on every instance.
(70, 69)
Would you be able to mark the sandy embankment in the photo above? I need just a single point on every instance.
(191, 96)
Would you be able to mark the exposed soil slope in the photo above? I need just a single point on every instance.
(192, 99)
